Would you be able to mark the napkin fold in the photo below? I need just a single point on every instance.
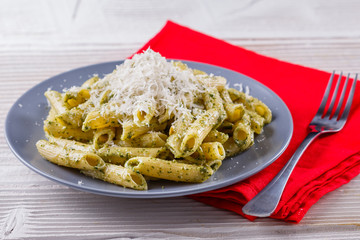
(331, 160)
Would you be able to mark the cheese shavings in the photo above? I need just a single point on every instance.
(150, 84)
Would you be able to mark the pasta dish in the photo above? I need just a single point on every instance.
(150, 119)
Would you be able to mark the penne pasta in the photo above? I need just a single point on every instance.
(216, 136)
(54, 128)
(234, 111)
(118, 155)
(243, 134)
(213, 151)
(71, 144)
(231, 148)
(56, 102)
(257, 122)
(131, 130)
(72, 118)
(95, 120)
(119, 175)
(212, 100)
(103, 137)
(198, 130)
(214, 164)
(69, 158)
(150, 119)
(75, 98)
(142, 117)
(169, 170)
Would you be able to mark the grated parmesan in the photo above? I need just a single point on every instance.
(241, 88)
(148, 82)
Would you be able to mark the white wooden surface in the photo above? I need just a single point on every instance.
(39, 39)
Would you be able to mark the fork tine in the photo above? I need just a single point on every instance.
(349, 100)
(338, 108)
(333, 98)
(326, 95)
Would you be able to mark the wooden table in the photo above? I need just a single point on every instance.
(39, 39)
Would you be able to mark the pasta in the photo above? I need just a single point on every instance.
(150, 119)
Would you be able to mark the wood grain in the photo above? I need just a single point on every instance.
(45, 38)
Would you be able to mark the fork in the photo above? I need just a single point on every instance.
(326, 120)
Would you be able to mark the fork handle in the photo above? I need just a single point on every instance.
(266, 201)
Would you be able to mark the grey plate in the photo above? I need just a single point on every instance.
(24, 127)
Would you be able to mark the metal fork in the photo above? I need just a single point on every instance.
(325, 121)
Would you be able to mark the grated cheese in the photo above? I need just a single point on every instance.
(148, 81)
(241, 88)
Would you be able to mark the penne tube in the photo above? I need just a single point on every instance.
(213, 151)
(173, 142)
(54, 128)
(131, 130)
(120, 176)
(169, 170)
(56, 101)
(118, 155)
(71, 144)
(72, 117)
(75, 98)
(176, 134)
(166, 116)
(69, 158)
(234, 111)
(257, 122)
(142, 117)
(150, 140)
(165, 154)
(263, 110)
(125, 143)
(240, 97)
(212, 99)
(243, 135)
(252, 104)
(224, 93)
(216, 136)
(52, 115)
(234, 94)
(198, 130)
(231, 148)
(214, 164)
(226, 127)
(198, 157)
(95, 120)
(181, 123)
(147, 140)
(103, 137)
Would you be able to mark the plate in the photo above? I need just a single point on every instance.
(24, 127)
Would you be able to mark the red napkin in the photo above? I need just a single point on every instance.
(331, 161)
